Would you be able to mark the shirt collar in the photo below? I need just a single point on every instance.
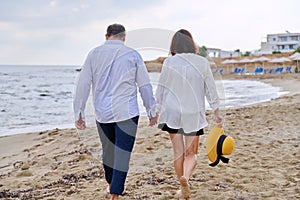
(114, 42)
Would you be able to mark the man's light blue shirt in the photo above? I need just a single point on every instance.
(114, 71)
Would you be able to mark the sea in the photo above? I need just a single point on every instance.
(36, 98)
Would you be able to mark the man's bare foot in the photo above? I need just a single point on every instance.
(185, 188)
(114, 197)
(108, 191)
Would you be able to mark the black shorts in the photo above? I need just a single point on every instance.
(165, 127)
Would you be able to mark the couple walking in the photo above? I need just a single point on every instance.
(115, 72)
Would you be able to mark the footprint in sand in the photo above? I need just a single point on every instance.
(18, 164)
(24, 173)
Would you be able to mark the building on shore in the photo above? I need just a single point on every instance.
(218, 53)
(280, 42)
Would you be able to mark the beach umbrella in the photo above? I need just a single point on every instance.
(244, 61)
(274, 60)
(230, 61)
(262, 60)
(284, 59)
(295, 55)
(212, 63)
(280, 60)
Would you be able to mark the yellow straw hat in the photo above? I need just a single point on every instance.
(217, 145)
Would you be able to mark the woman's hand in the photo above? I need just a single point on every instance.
(219, 119)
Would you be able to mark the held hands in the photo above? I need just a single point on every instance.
(80, 124)
(153, 120)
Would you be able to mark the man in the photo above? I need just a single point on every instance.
(114, 71)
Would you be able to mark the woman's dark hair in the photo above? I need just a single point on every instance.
(182, 42)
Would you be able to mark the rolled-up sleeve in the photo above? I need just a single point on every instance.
(82, 90)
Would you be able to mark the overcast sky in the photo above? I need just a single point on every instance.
(63, 31)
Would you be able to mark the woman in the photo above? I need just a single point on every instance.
(186, 79)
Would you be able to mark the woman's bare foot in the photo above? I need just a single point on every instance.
(185, 188)
(178, 194)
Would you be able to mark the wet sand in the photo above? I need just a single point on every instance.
(61, 164)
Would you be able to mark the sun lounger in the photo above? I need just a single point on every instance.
(288, 69)
(238, 70)
(219, 70)
(278, 70)
(242, 70)
(259, 70)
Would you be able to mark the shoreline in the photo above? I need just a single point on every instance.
(269, 79)
(57, 164)
(32, 129)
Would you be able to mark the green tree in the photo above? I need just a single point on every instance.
(276, 52)
(247, 53)
(297, 50)
(203, 51)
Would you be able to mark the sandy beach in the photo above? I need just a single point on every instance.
(61, 164)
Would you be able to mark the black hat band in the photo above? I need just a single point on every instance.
(220, 144)
(219, 152)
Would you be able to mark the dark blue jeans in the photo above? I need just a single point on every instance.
(117, 143)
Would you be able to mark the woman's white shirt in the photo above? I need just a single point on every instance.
(186, 79)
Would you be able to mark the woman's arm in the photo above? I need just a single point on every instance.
(161, 87)
(212, 95)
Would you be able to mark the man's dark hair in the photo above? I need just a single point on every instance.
(115, 30)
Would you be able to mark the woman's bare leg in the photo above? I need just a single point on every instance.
(178, 149)
(189, 164)
(191, 152)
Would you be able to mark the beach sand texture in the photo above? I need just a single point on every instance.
(56, 164)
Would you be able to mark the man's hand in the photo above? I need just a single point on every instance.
(80, 124)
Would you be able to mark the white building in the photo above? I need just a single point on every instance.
(284, 42)
(218, 53)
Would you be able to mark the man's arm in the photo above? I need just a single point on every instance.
(146, 91)
(82, 93)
